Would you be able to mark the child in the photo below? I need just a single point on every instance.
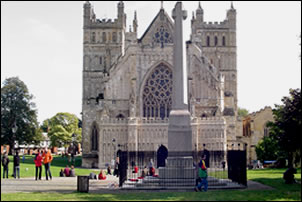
(72, 171)
(62, 173)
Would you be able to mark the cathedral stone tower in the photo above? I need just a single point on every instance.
(103, 43)
(217, 41)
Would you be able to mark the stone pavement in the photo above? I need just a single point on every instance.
(69, 185)
(57, 184)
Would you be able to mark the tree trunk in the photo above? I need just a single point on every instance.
(10, 152)
(290, 160)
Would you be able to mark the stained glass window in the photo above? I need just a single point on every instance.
(157, 94)
(162, 36)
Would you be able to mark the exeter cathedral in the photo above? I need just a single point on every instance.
(127, 84)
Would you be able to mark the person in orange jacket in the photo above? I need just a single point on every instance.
(47, 158)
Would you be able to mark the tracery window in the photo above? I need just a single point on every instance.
(162, 36)
(157, 94)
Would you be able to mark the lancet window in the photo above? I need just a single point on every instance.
(94, 139)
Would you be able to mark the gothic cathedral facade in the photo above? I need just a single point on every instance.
(127, 84)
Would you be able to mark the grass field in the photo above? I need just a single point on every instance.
(270, 177)
(27, 169)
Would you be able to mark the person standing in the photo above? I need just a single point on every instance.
(150, 166)
(17, 165)
(47, 158)
(38, 163)
(5, 162)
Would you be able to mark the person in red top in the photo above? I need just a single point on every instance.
(38, 162)
(135, 169)
(67, 171)
(102, 176)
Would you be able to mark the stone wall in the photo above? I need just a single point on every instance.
(149, 134)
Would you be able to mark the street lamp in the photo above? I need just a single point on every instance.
(73, 148)
(14, 130)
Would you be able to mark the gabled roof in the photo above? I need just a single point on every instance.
(157, 17)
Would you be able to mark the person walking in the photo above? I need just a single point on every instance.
(17, 165)
(38, 163)
(5, 162)
(47, 158)
(202, 172)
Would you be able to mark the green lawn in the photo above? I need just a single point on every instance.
(271, 177)
(27, 169)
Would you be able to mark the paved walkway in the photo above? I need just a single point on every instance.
(69, 185)
(62, 184)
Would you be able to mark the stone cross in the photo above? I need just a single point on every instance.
(178, 73)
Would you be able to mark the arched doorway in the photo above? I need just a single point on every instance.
(157, 93)
(162, 154)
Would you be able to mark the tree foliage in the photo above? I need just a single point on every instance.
(286, 128)
(17, 108)
(268, 149)
(242, 112)
(60, 129)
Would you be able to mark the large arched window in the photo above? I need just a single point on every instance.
(157, 94)
(94, 139)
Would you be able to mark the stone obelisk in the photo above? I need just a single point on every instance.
(179, 169)
(180, 131)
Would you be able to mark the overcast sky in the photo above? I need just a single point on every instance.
(41, 43)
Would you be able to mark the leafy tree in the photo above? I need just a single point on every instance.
(61, 127)
(17, 109)
(268, 149)
(286, 129)
(242, 112)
